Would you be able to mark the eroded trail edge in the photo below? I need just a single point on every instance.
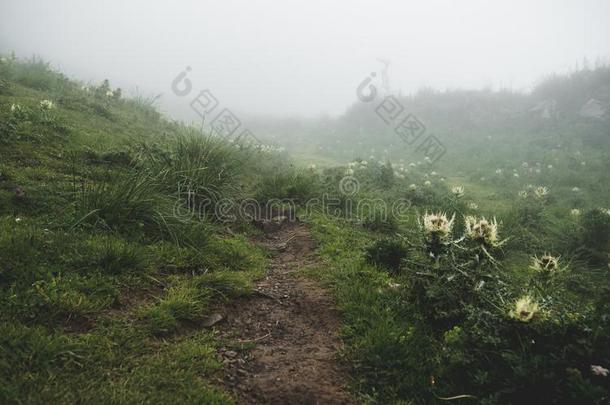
(287, 331)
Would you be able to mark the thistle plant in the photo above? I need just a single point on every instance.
(525, 309)
(457, 191)
(545, 264)
(437, 230)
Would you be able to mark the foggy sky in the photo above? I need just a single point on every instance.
(289, 57)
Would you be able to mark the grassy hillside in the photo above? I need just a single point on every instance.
(483, 278)
(107, 271)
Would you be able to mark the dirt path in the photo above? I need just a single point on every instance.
(292, 323)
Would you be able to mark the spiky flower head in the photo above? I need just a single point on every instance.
(481, 230)
(575, 212)
(546, 263)
(438, 225)
(457, 191)
(525, 309)
(46, 104)
(541, 191)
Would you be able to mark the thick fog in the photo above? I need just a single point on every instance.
(306, 57)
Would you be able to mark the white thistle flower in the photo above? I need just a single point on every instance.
(541, 191)
(457, 191)
(438, 225)
(525, 309)
(427, 183)
(575, 212)
(575, 189)
(546, 263)
(46, 104)
(412, 187)
(109, 93)
(599, 370)
(481, 230)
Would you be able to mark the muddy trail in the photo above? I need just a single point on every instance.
(287, 331)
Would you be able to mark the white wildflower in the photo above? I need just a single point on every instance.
(473, 206)
(600, 371)
(46, 104)
(109, 93)
(525, 309)
(541, 191)
(481, 230)
(498, 171)
(546, 263)
(575, 189)
(438, 225)
(575, 212)
(457, 191)
(412, 187)
(523, 194)
(427, 183)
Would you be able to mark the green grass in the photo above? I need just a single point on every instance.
(103, 282)
(111, 255)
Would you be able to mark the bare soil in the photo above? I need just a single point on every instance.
(286, 333)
